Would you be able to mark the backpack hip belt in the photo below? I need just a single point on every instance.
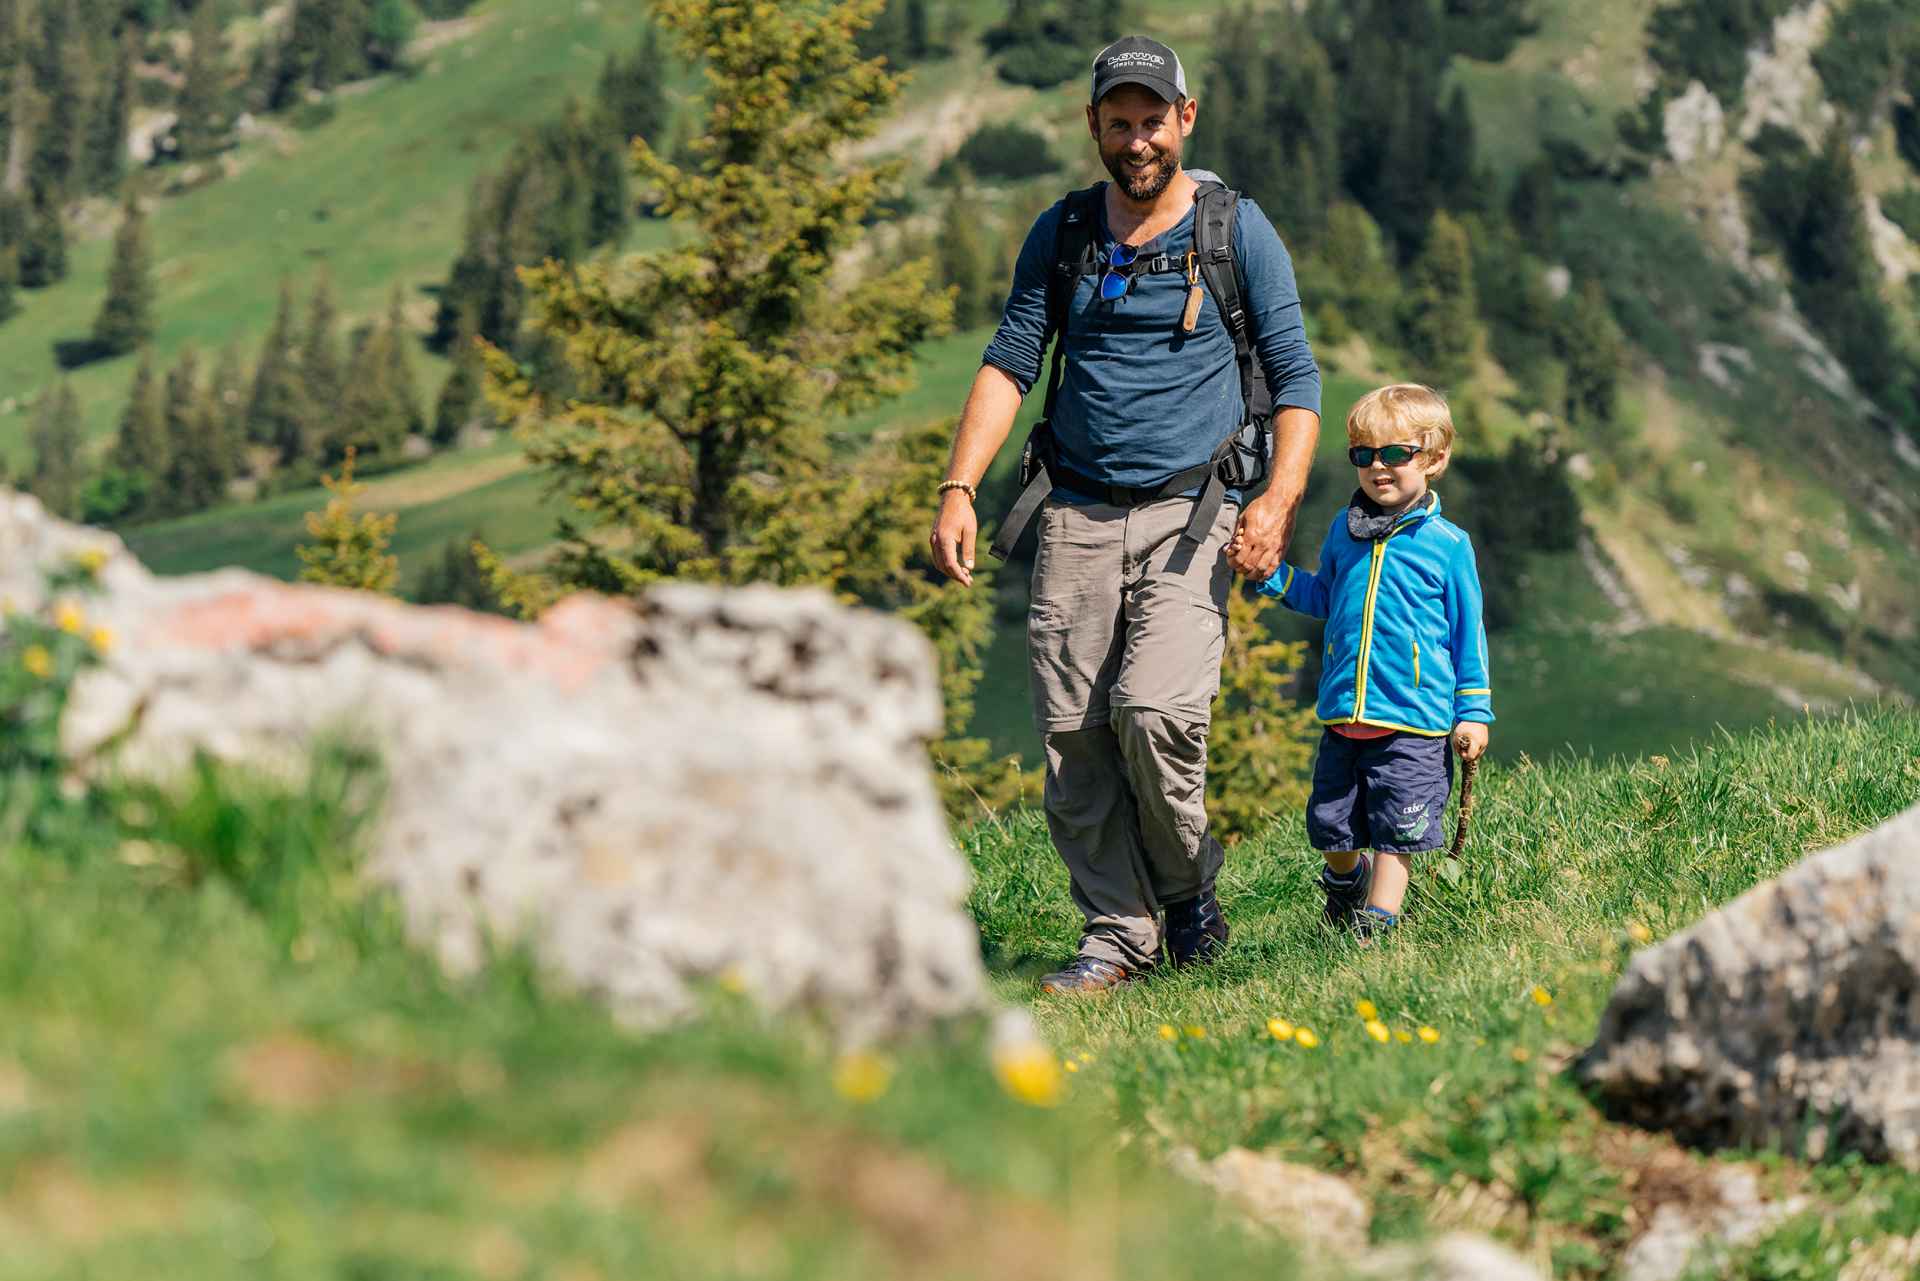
(1242, 461)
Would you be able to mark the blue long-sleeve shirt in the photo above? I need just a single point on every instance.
(1406, 644)
(1141, 399)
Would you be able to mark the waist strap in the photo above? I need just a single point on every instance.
(1206, 508)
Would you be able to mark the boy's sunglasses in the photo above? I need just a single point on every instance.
(1391, 455)
(1119, 272)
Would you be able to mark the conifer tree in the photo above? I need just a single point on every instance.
(201, 456)
(372, 421)
(202, 129)
(61, 74)
(9, 281)
(322, 372)
(632, 90)
(400, 374)
(140, 445)
(43, 244)
(458, 578)
(708, 372)
(126, 316)
(227, 406)
(55, 442)
(459, 403)
(964, 265)
(1440, 321)
(1594, 350)
(349, 548)
(390, 28)
(107, 134)
(277, 409)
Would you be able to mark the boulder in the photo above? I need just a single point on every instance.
(1293, 1200)
(1788, 1018)
(708, 784)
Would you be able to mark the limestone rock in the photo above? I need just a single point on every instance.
(1457, 1256)
(1735, 1215)
(1790, 1017)
(715, 784)
(1294, 1200)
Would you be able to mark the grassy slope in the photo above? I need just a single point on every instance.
(283, 1091)
(377, 197)
(1564, 857)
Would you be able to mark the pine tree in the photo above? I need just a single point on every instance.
(1440, 321)
(140, 446)
(349, 548)
(55, 441)
(708, 372)
(400, 375)
(277, 410)
(43, 245)
(107, 135)
(963, 263)
(632, 90)
(9, 281)
(1353, 271)
(322, 373)
(457, 578)
(202, 129)
(372, 421)
(227, 407)
(1594, 350)
(126, 316)
(1276, 132)
(202, 457)
(390, 28)
(459, 403)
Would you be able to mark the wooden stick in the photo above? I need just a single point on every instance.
(1468, 768)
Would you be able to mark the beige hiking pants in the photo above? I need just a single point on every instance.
(1124, 639)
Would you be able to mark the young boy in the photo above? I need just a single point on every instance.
(1405, 659)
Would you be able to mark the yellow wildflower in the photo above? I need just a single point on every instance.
(732, 981)
(1197, 1032)
(1367, 1011)
(862, 1076)
(1305, 1037)
(68, 618)
(1638, 932)
(93, 560)
(1431, 1035)
(1085, 1057)
(1070, 1065)
(1378, 1031)
(1168, 1032)
(1541, 996)
(1403, 1036)
(101, 638)
(1280, 1029)
(37, 661)
(1521, 1054)
(1029, 1073)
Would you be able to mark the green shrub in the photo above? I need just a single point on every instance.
(1009, 151)
(1903, 207)
(1042, 63)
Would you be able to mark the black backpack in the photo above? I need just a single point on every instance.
(1241, 461)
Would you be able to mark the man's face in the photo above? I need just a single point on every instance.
(1140, 136)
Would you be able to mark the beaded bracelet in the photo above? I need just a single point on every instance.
(973, 494)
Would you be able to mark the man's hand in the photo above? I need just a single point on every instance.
(953, 534)
(1470, 740)
(1266, 527)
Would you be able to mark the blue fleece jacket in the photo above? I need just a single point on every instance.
(1406, 647)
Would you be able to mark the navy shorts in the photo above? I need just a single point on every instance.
(1386, 794)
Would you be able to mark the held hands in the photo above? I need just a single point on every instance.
(1266, 527)
(1470, 740)
(954, 530)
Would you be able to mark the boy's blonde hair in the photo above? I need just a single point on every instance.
(1402, 413)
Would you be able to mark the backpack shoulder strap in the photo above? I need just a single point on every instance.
(1073, 257)
(1216, 209)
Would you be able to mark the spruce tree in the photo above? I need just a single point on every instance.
(632, 90)
(202, 129)
(43, 245)
(9, 281)
(371, 421)
(1594, 350)
(140, 447)
(107, 135)
(126, 316)
(349, 548)
(61, 73)
(400, 374)
(965, 266)
(708, 373)
(457, 578)
(277, 411)
(56, 476)
(1440, 324)
(322, 372)
(202, 457)
(227, 405)
(459, 403)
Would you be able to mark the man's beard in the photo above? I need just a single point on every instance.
(1146, 186)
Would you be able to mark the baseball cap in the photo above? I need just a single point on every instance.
(1136, 60)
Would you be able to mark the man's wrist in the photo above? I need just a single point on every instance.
(958, 486)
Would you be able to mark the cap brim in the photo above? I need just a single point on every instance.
(1166, 89)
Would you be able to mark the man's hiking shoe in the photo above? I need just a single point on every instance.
(1086, 976)
(1346, 895)
(1371, 923)
(1196, 930)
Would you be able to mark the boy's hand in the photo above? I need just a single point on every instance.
(1470, 740)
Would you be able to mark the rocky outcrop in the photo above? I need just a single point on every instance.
(1789, 1018)
(711, 785)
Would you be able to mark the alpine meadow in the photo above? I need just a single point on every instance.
(336, 943)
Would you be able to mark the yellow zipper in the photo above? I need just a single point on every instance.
(1416, 664)
(1366, 632)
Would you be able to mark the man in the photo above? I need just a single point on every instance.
(1128, 618)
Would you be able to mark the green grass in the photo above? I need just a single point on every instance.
(1564, 858)
(376, 196)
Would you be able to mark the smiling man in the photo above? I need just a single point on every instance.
(1176, 328)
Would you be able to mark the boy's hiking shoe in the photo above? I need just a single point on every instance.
(1371, 923)
(1346, 895)
(1085, 976)
(1196, 930)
